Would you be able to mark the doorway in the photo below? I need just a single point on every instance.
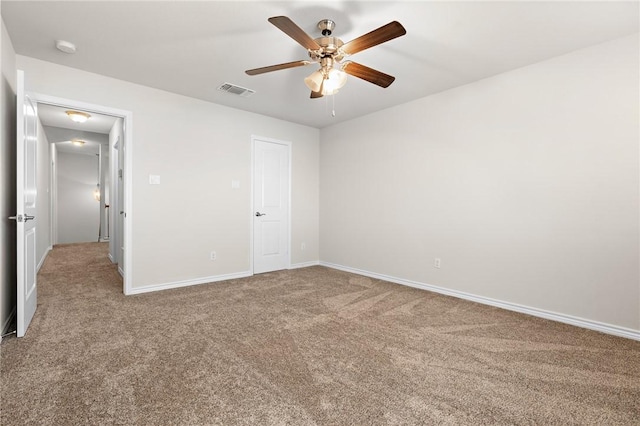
(108, 190)
(271, 204)
(80, 178)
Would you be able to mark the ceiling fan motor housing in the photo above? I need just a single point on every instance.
(330, 47)
(326, 26)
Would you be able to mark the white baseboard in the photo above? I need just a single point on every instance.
(44, 257)
(111, 258)
(187, 283)
(304, 264)
(120, 271)
(541, 313)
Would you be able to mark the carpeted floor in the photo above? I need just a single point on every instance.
(301, 347)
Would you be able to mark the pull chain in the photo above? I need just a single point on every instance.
(333, 104)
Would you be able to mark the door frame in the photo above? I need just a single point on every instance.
(127, 170)
(53, 193)
(255, 138)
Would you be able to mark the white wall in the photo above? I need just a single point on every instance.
(7, 179)
(525, 184)
(97, 143)
(43, 200)
(78, 211)
(197, 148)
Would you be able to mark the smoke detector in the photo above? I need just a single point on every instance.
(65, 46)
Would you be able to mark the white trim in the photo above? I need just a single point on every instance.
(44, 256)
(304, 264)
(289, 202)
(127, 117)
(53, 193)
(541, 313)
(114, 200)
(187, 283)
(127, 244)
(251, 204)
(255, 138)
(121, 272)
(7, 322)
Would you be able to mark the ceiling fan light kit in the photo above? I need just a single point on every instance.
(329, 52)
(328, 79)
(314, 81)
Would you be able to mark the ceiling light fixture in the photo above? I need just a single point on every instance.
(327, 80)
(329, 51)
(334, 81)
(77, 116)
(77, 142)
(65, 46)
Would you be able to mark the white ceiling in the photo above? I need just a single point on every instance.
(191, 48)
(55, 116)
(61, 130)
(89, 148)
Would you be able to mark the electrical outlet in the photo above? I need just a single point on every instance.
(213, 255)
(303, 246)
(436, 262)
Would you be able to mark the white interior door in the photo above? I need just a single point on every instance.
(271, 206)
(27, 142)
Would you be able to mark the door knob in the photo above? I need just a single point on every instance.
(258, 214)
(21, 218)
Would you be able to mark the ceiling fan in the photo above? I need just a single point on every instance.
(329, 53)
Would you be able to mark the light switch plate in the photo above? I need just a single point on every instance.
(235, 184)
(154, 179)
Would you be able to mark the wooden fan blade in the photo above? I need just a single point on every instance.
(369, 74)
(385, 33)
(288, 27)
(284, 66)
(318, 94)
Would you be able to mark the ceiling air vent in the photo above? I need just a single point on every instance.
(236, 90)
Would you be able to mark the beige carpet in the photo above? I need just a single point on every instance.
(302, 347)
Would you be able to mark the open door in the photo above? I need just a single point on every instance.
(27, 142)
